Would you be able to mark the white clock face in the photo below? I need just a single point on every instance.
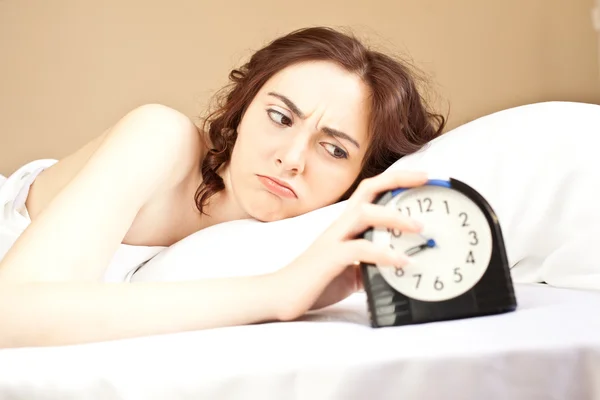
(452, 252)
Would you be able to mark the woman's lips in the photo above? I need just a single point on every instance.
(277, 187)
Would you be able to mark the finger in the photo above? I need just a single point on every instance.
(369, 188)
(358, 282)
(372, 215)
(366, 251)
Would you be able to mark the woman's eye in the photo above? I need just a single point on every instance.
(279, 118)
(335, 151)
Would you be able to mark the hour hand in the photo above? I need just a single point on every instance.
(417, 249)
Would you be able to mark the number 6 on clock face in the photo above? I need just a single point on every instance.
(456, 258)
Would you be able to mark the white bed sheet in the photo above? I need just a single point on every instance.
(548, 349)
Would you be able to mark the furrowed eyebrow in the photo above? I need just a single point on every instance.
(300, 114)
(341, 135)
(288, 103)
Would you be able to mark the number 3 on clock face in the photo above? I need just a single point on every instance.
(452, 252)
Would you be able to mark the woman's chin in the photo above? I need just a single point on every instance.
(271, 208)
(269, 215)
(267, 211)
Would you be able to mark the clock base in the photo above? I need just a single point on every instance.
(494, 294)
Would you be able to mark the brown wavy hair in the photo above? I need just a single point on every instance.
(400, 122)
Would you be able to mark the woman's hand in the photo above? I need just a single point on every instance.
(327, 272)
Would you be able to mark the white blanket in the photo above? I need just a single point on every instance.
(548, 348)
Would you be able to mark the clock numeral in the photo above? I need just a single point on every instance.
(399, 272)
(470, 258)
(474, 237)
(466, 217)
(395, 233)
(447, 206)
(438, 285)
(400, 209)
(418, 276)
(429, 209)
(425, 200)
(457, 275)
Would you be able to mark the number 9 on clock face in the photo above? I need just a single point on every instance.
(459, 266)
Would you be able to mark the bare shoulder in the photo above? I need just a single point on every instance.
(161, 135)
(154, 131)
(104, 193)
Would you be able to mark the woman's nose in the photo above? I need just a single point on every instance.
(292, 156)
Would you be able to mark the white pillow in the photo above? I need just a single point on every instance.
(535, 164)
(538, 167)
(237, 248)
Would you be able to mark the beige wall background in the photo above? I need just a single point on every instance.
(71, 68)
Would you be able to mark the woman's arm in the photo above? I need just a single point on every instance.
(74, 238)
(49, 289)
(151, 149)
(48, 314)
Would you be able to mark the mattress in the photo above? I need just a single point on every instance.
(548, 349)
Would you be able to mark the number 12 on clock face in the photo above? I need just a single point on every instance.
(459, 267)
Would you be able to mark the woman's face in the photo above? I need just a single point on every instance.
(301, 142)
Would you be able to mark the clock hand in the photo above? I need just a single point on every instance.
(429, 242)
(417, 249)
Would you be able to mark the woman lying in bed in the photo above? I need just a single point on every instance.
(315, 118)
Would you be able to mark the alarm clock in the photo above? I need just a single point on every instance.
(459, 266)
